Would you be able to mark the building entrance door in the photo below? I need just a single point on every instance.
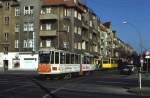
(5, 62)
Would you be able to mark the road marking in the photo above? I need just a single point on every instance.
(52, 92)
(58, 89)
(111, 82)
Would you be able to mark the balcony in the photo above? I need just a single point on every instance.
(5, 43)
(85, 25)
(48, 33)
(85, 38)
(95, 31)
(48, 17)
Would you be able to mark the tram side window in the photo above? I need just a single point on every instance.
(67, 58)
(76, 59)
(44, 58)
(62, 58)
(91, 60)
(88, 60)
(79, 59)
(85, 60)
(72, 58)
(52, 57)
(56, 57)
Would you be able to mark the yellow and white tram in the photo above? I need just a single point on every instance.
(59, 62)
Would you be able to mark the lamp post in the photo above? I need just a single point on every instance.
(141, 52)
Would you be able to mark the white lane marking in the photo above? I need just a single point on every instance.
(46, 96)
(58, 89)
(111, 82)
(53, 91)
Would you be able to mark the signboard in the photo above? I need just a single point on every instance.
(147, 57)
(147, 54)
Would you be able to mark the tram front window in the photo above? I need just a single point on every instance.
(44, 58)
(105, 62)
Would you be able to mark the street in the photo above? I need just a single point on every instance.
(100, 84)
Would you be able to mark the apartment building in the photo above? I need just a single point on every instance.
(13, 33)
(68, 25)
(27, 26)
(9, 31)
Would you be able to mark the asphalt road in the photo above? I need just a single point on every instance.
(98, 85)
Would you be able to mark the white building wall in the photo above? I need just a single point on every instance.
(26, 61)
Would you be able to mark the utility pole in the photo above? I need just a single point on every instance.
(141, 53)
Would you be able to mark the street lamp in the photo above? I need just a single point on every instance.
(139, 34)
(141, 51)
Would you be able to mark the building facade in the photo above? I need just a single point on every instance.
(69, 25)
(27, 26)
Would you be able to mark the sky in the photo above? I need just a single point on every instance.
(135, 12)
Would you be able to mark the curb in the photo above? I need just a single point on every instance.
(145, 91)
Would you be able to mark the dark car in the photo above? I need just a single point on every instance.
(127, 69)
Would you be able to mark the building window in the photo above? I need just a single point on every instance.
(6, 20)
(79, 46)
(31, 26)
(48, 10)
(17, 28)
(25, 44)
(31, 10)
(30, 43)
(75, 29)
(6, 36)
(16, 43)
(41, 44)
(48, 26)
(7, 5)
(25, 27)
(66, 27)
(48, 43)
(28, 10)
(5, 50)
(67, 12)
(91, 24)
(28, 26)
(83, 45)
(75, 14)
(79, 16)
(42, 12)
(75, 1)
(79, 31)
(17, 11)
(90, 35)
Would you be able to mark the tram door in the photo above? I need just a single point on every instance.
(5, 62)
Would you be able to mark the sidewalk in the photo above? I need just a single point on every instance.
(19, 72)
(145, 76)
(93, 88)
(145, 91)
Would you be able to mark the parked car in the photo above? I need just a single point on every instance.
(127, 69)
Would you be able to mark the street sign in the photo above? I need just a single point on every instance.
(147, 57)
(147, 53)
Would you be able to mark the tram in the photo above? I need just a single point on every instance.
(109, 63)
(59, 62)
